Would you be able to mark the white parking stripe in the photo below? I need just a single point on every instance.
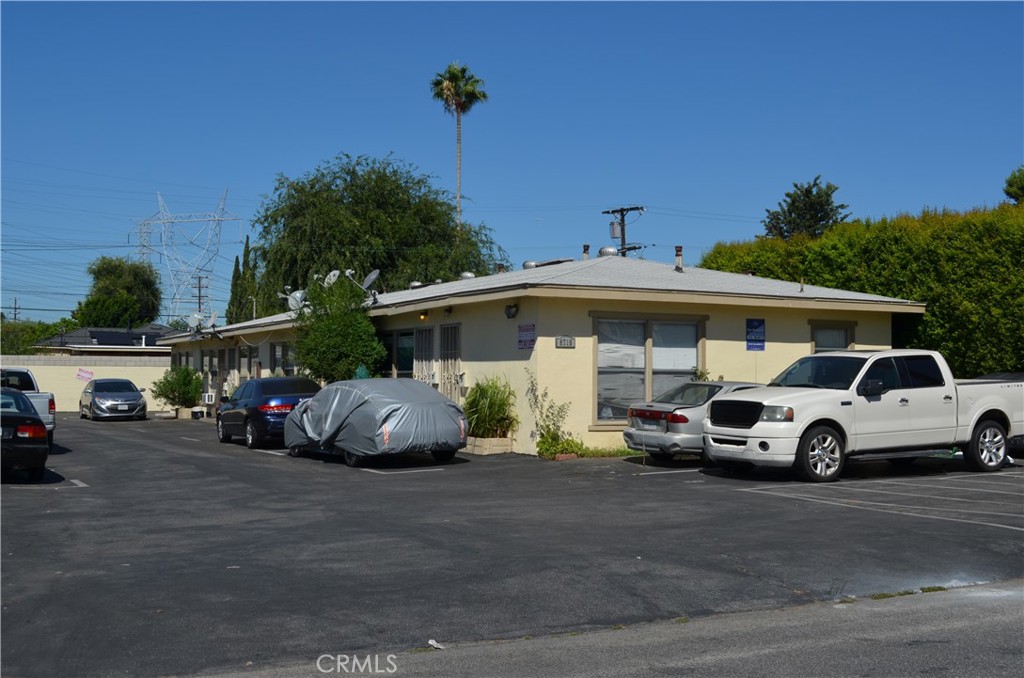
(194, 440)
(395, 473)
(656, 473)
(277, 454)
(863, 507)
(943, 497)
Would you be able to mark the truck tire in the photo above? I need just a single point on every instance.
(987, 449)
(820, 456)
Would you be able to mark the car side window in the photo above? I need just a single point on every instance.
(885, 371)
(922, 371)
(243, 391)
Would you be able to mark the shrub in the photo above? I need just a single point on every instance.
(550, 416)
(490, 409)
(180, 386)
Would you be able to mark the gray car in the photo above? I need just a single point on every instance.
(104, 398)
(672, 423)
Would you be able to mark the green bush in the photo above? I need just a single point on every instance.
(490, 409)
(180, 386)
(550, 417)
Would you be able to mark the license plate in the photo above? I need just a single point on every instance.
(122, 408)
(650, 424)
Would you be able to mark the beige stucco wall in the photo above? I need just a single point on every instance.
(59, 375)
(490, 347)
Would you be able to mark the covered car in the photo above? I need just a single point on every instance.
(365, 418)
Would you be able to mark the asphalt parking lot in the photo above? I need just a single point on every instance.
(151, 549)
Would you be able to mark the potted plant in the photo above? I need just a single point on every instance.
(490, 409)
(180, 387)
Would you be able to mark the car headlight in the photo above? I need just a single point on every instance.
(777, 413)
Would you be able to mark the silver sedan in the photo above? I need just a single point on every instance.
(103, 398)
(671, 424)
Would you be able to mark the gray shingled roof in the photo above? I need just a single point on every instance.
(630, 274)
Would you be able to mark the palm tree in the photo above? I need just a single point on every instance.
(458, 90)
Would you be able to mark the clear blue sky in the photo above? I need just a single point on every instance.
(705, 113)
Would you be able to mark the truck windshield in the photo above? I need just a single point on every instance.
(821, 371)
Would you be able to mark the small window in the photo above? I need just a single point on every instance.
(924, 372)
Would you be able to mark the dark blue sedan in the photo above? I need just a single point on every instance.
(258, 408)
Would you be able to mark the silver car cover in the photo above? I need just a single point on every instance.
(370, 417)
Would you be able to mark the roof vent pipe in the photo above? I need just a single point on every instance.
(679, 258)
(529, 264)
(607, 252)
(466, 275)
(586, 252)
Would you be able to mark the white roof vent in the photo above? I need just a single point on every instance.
(467, 275)
(529, 264)
(607, 251)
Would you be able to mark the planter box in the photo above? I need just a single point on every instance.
(488, 445)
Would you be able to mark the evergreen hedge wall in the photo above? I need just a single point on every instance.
(967, 267)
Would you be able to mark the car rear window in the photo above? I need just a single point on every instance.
(114, 387)
(690, 395)
(17, 402)
(287, 386)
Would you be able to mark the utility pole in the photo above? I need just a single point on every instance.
(622, 212)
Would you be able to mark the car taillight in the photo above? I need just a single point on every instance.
(53, 406)
(275, 409)
(31, 431)
(644, 414)
(677, 418)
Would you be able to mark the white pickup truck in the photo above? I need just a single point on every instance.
(22, 379)
(896, 404)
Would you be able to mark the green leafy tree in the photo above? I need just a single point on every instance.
(458, 90)
(119, 309)
(123, 293)
(1014, 188)
(334, 334)
(181, 386)
(363, 214)
(18, 337)
(809, 209)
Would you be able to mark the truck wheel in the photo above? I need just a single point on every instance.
(987, 450)
(820, 457)
(221, 435)
(253, 439)
(49, 440)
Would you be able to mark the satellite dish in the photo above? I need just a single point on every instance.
(370, 279)
(194, 320)
(213, 319)
(331, 278)
(296, 300)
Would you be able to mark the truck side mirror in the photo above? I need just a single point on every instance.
(871, 387)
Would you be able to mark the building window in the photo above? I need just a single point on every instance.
(281, 360)
(423, 356)
(401, 349)
(638, 359)
(831, 336)
(450, 383)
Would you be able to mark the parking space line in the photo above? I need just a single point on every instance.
(890, 508)
(903, 483)
(924, 496)
(276, 454)
(194, 440)
(74, 484)
(657, 473)
(395, 473)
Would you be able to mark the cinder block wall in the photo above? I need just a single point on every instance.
(66, 376)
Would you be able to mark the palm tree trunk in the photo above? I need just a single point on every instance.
(458, 167)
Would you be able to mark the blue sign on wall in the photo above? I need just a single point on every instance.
(755, 334)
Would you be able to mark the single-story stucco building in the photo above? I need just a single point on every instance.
(596, 333)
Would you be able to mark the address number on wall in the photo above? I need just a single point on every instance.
(565, 342)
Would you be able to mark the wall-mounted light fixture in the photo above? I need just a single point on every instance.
(447, 311)
(424, 315)
(511, 311)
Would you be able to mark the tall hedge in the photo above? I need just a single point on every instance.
(967, 267)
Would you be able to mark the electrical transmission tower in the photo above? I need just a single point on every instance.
(188, 245)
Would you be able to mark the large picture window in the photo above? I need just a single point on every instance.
(638, 359)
